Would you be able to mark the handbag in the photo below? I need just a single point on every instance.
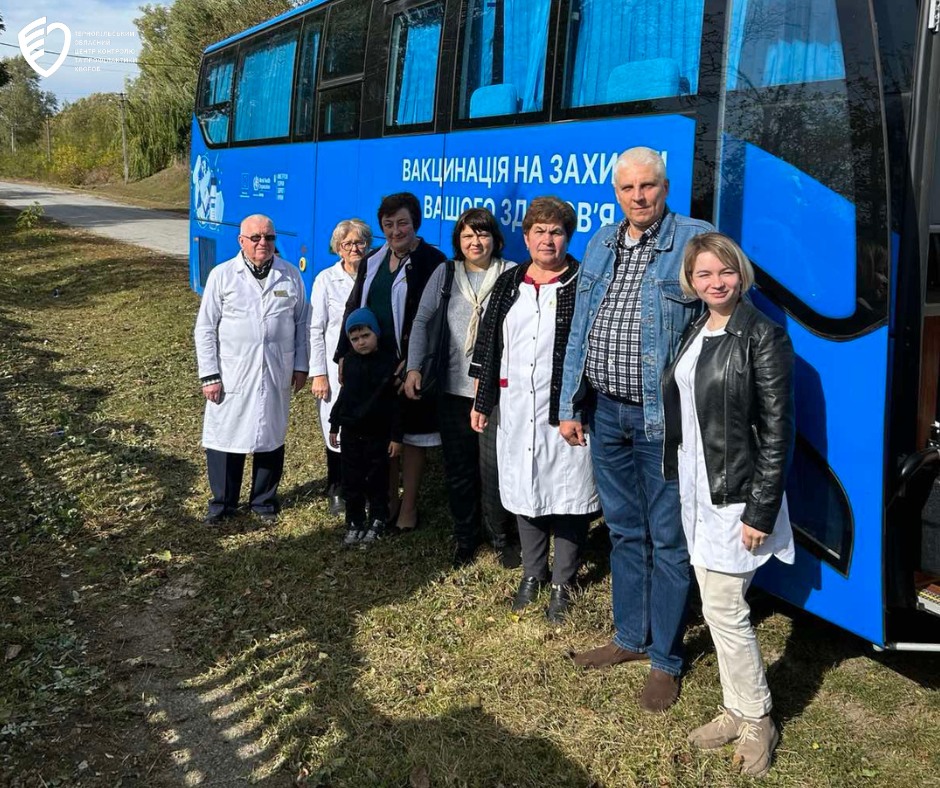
(434, 367)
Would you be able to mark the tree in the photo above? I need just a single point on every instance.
(24, 107)
(4, 76)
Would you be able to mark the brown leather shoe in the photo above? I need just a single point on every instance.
(660, 692)
(607, 655)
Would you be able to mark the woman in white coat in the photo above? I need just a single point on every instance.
(351, 240)
(517, 362)
(729, 422)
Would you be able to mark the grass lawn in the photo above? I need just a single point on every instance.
(142, 648)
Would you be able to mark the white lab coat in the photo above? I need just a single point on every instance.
(254, 334)
(713, 532)
(539, 473)
(328, 299)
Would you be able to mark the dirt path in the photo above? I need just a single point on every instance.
(158, 230)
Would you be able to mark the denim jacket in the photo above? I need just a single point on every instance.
(666, 311)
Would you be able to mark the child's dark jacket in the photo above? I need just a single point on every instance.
(368, 403)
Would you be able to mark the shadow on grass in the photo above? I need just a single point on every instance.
(304, 695)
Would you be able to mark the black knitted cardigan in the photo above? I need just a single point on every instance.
(488, 351)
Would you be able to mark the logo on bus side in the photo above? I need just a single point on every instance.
(32, 40)
(208, 202)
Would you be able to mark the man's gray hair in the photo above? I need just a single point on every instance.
(645, 157)
(255, 217)
(346, 227)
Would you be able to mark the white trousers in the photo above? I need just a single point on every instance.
(740, 666)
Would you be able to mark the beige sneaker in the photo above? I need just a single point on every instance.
(756, 745)
(725, 728)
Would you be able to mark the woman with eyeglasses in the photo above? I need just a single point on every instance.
(469, 458)
(517, 362)
(351, 240)
(391, 282)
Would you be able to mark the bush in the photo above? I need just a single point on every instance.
(29, 217)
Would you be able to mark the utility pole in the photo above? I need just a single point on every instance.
(48, 143)
(123, 138)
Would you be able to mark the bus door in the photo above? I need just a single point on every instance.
(802, 186)
(913, 514)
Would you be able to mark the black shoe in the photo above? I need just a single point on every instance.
(335, 498)
(268, 518)
(510, 556)
(529, 589)
(217, 518)
(464, 555)
(558, 604)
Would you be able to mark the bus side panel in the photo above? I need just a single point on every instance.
(230, 184)
(504, 169)
(840, 407)
(387, 169)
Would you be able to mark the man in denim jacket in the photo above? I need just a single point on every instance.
(628, 317)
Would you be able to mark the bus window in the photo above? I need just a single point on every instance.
(264, 84)
(346, 38)
(795, 150)
(503, 63)
(413, 58)
(620, 52)
(784, 43)
(339, 112)
(215, 98)
(305, 97)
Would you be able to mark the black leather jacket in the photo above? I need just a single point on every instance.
(744, 398)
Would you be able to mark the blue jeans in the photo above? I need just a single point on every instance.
(649, 559)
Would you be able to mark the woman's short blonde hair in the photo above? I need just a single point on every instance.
(346, 227)
(725, 249)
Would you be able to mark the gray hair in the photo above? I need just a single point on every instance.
(645, 157)
(256, 217)
(347, 226)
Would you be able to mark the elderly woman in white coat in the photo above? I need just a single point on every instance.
(729, 424)
(251, 337)
(351, 240)
(517, 363)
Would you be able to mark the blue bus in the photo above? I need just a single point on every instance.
(805, 129)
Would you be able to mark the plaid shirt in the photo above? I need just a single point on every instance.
(613, 359)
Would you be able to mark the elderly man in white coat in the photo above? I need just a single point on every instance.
(252, 338)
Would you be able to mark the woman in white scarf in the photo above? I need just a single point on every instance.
(469, 458)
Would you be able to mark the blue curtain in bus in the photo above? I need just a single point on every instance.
(419, 74)
(525, 40)
(219, 90)
(783, 42)
(262, 99)
(613, 32)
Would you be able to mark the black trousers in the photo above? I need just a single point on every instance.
(472, 476)
(334, 469)
(365, 475)
(570, 532)
(225, 480)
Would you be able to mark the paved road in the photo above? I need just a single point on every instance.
(158, 230)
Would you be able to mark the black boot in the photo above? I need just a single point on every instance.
(558, 604)
(529, 589)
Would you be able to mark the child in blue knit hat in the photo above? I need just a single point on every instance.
(367, 410)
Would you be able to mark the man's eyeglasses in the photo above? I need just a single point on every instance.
(347, 245)
(256, 239)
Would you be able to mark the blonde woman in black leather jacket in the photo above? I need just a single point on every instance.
(728, 408)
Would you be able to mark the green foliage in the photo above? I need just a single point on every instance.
(29, 217)
(24, 107)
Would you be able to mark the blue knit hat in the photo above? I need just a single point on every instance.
(363, 317)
